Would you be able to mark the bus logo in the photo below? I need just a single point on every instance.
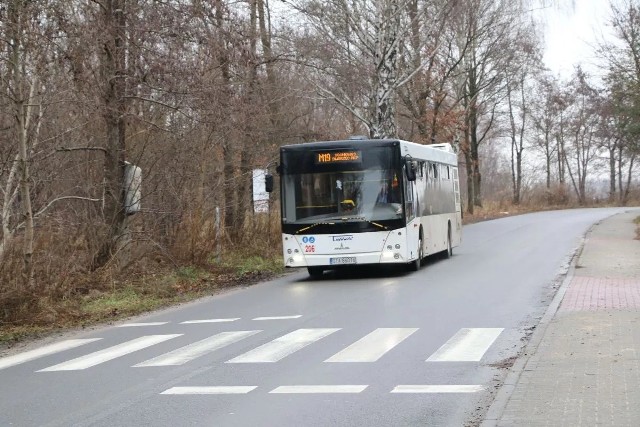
(342, 238)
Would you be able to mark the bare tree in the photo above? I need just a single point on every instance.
(487, 32)
(622, 58)
(518, 75)
(360, 53)
(583, 130)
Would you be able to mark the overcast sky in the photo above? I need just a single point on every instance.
(572, 33)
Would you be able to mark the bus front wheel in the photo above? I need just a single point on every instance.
(415, 264)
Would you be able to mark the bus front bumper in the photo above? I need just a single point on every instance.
(334, 261)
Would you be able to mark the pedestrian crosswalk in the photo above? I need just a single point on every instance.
(466, 345)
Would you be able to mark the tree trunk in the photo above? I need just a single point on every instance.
(612, 173)
(387, 27)
(22, 110)
(113, 75)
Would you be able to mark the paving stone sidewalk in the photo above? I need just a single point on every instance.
(585, 370)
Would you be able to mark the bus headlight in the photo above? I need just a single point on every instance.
(397, 246)
(288, 251)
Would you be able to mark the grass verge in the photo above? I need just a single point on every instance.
(114, 299)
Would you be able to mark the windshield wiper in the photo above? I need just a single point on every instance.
(361, 218)
(313, 225)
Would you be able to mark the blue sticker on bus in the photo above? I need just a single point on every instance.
(312, 239)
(305, 239)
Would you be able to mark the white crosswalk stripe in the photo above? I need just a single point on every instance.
(467, 345)
(195, 322)
(317, 389)
(443, 388)
(210, 390)
(134, 325)
(282, 347)
(109, 353)
(373, 346)
(197, 349)
(47, 350)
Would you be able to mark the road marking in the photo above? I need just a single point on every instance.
(189, 322)
(467, 345)
(437, 389)
(27, 356)
(297, 316)
(133, 325)
(309, 389)
(197, 349)
(110, 353)
(283, 346)
(373, 346)
(210, 390)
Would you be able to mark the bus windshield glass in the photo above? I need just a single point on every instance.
(342, 185)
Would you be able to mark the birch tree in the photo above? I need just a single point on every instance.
(353, 51)
(24, 62)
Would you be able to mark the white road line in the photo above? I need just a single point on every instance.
(309, 389)
(467, 345)
(197, 349)
(27, 356)
(190, 322)
(133, 325)
(283, 346)
(297, 316)
(110, 353)
(437, 389)
(373, 346)
(210, 390)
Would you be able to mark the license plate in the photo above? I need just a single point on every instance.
(342, 260)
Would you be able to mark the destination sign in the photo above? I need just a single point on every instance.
(341, 156)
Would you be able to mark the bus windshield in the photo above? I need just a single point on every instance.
(364, 187)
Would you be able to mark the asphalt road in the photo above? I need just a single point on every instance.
(372, 347)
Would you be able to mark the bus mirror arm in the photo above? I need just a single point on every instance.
(410, 169)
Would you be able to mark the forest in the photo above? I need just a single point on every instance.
(198, 94)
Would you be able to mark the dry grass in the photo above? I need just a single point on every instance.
(67, 294)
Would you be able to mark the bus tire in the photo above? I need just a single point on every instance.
(415, 264)
(315, 271)
(448, 253)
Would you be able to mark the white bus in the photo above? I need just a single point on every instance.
(359, 201)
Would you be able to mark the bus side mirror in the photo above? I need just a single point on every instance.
(268, 183)
(410, 170)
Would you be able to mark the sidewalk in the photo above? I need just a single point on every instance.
(583, 363)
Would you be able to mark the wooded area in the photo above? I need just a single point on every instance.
(198, 94)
